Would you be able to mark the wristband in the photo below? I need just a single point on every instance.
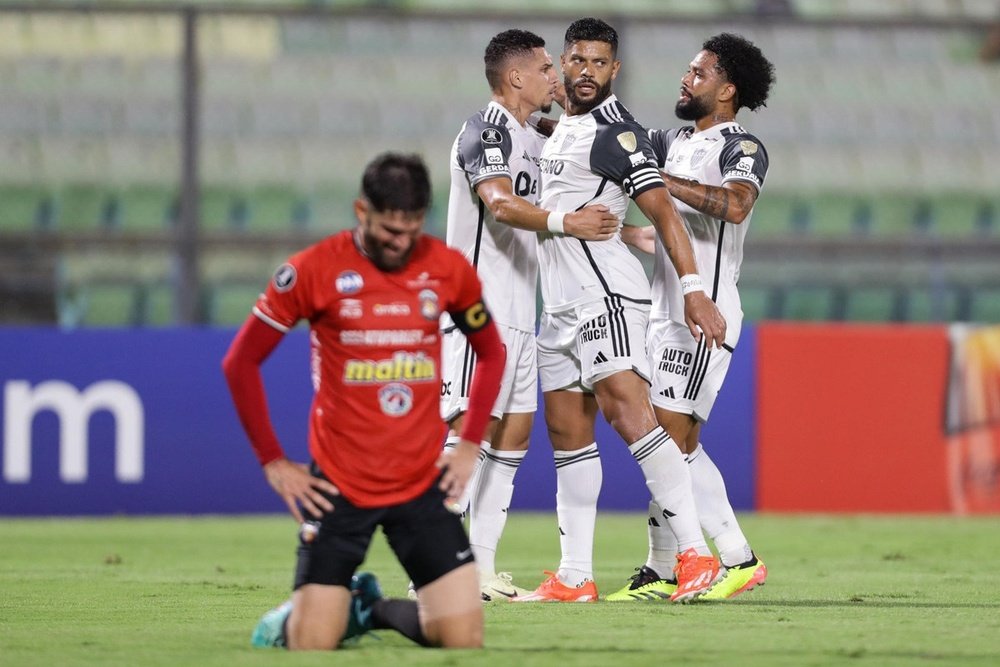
(691, 283)
(555, 222)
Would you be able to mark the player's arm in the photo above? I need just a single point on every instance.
(252, 345)
(477, 325)
(642, 239)
(700, 312)
(731, 201)
(593, 223)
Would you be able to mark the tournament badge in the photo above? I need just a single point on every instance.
(284, 278)
(627, 141)
(748, 147)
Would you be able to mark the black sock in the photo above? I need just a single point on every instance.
(398, 615)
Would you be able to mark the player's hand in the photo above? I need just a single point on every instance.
(703, 317)
(296, 487)
(591, 223)
(457, 464)
(642, 239)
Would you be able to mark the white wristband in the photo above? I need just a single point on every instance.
(555, 222)
(691, 283)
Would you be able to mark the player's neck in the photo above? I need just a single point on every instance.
(515, 107)
(714, 119)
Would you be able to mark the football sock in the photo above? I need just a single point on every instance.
(669, 483)
(449, 444)
(398, 615)
(715, 511)
(662, 544)
(578, 484)
(488, 510)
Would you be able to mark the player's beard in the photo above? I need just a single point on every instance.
(692, 109)
(378, 256)
(583, 106)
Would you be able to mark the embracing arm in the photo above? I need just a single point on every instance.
(593, 223)
(731, 201)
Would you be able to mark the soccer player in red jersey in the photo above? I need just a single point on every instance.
(373, 297)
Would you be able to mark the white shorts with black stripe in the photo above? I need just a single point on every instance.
(518, 388)
(687, 376)
(579, 347)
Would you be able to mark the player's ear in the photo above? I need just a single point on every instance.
(514, 78)
(361, 207)
(727, 93)
(615, 66)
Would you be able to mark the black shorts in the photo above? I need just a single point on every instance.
(428, 540)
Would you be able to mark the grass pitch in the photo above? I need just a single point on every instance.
(188, 591)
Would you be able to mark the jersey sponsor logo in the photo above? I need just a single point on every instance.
(401, 367)
(476, 316)
(350, 309)
(547, 166)
(627, 141)
(745, 164)
(675, 361)
(595, 329)
(637, 159)
(381, 337)
(396, 400)
(493, 169)
(284, 278)
(491, 135)
(391, 309)
(748, 147)
(493, 156)
(349, 282)
(429, 306)
(422, 280)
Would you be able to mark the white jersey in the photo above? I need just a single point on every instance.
(601, 157)
(490, 144)
(722, 153)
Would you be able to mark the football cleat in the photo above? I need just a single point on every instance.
(270, 630)
(365, 590)
(738, 579)
(500, 587)
(645, 584)
(553, 590)
(695, 575)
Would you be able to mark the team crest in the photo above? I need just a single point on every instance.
(429, 307)
(349, 282)
(748, 147)
(395, 399)
(284, 278)
(491, 135)
(627, 141)
(698, 156)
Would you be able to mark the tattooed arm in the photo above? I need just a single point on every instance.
(731, 201)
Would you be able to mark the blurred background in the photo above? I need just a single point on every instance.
(158, 160)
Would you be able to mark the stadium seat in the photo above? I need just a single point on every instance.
(959, 216)
(775, 215)
(277, 209)
(223, 209)
(873, 304)
(985, 305)
(805, 302)
(230, 303)
(895, 215)
(20, 207)
(756, 302)
(147, 207)
(835, 215)
(85, 207)
(109, 305)
(156, 305)
(931, 304)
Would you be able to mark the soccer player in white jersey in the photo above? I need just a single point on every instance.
(493, 220)
(591, 341)
(715, 170)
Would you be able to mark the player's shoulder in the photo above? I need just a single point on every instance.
(489, 124)
(736, 136)
(612, 112)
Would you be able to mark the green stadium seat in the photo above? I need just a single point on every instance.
(773, 216)
(806, 302)
(277, 209)
(157, 305)
(930, 304)
(873, 304)
(955, 215)
(985, 305)
(109, 305)
(896, 216)
(20, 207)
(85, 208)
(834, 215)
(333, 207)
(147, 207)
(223, 209)
(756, 302)
(230, 303)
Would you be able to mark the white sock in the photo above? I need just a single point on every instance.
(662, 544)
(715, 512)
(450, 442)
(488, 511)
(578, 484)
(669, 483)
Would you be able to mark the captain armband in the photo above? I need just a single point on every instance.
(474, 318)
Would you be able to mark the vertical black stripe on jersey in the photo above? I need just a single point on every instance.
(698, 369)
(718, 261)
(621, 346)
(468, 367)
(480, 225)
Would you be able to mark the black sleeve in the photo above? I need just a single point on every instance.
(484, 150)
(623, 153)
(660, 141)
(743, 158)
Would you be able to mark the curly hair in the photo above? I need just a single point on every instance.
(745, 67)
(508, 44)
(591, 30)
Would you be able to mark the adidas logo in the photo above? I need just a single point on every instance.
(668, 392)
(600, 358)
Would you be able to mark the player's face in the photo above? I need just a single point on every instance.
(700, 87)
(538, 78)
(588, 70)
(388, 237)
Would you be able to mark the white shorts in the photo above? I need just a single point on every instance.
(687, 376)
(580, 347)
(518, 388)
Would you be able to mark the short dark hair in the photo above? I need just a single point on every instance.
(745, 67)
(506, 45)
(397, 182)
(591, 30)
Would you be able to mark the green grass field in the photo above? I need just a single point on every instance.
(188, 591)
